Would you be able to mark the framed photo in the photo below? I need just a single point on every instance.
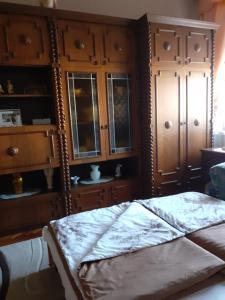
(10, 117)
(35, 90)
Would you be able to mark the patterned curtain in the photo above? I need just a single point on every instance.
(214, 10)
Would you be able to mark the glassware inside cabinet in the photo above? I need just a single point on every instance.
(119, 111)
(83, 98)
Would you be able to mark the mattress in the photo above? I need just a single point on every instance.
(126, 252)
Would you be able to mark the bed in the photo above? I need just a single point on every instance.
(133, 251)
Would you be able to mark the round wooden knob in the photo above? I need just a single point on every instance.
(196, 122)
(12, 151)
(118, 48)
(168, 124)
(79, 44)
(197, 48)
(167, 46)
(26, 40)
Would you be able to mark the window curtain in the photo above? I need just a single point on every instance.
(214, 10)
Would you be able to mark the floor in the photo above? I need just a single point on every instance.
(31, 277)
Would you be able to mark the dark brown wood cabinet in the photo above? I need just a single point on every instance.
(177, 102)
(105, 194)
(95, 44)
(24, 40)
(28, 148)
(74, 83)
(29, 212)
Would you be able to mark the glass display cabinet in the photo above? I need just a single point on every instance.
(84, 114)
(119, 112)
(86, 122)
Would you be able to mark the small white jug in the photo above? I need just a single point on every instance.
(95, 173)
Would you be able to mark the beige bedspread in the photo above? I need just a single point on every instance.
(211, 239)
(151, 273)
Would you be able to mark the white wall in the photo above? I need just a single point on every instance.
(126, 8)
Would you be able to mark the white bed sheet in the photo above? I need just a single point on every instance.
(216, 290)
(69, 291)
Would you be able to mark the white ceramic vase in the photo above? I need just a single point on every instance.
(95, 173)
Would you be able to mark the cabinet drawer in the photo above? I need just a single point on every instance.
(27, 147)
(28, 212)
(78, 42)
(166, 44)
(25, 40)
(124, 191)
(118, 45)
(90, 199)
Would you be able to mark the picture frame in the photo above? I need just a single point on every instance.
(35, 90)
(10, 117)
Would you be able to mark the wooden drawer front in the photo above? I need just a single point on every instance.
(90, 199)
(197, 46)
(118, 45)
(24, 150)
(26, 40)
(124, 192)
(166, 44)
(28, 212)
(79, 42)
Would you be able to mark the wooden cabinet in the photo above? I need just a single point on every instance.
(95, 44)
(28, 148)
(24, 40)
(29, 212)
(105, 194)
(177, 103)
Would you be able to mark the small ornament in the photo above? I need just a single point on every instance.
(48, 3)
(75, 179)
(10, 87)
(118, 173)
(17, 183)
(95, 173)
(1, 90)
(49, 178)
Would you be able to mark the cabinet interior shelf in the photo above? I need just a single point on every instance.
(25, 96)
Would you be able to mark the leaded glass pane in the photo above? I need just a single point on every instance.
(84, 114)
(118, 86)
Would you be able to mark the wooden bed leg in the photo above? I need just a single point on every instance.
(50, 259)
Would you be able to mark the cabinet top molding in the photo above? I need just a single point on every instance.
(181, 22)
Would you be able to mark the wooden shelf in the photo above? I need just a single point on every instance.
(25, 96)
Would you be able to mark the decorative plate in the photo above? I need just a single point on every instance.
(102, 179)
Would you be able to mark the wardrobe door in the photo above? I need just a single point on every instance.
(167, 107)
(198, 121)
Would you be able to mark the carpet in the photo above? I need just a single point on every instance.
(31, 276)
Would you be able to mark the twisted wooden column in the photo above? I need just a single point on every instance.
(60, 115)
(212, 87)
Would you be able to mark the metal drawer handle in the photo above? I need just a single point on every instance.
(168, 124)
(12, 151)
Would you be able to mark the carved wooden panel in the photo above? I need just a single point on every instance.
(196, 46)
(89, 199)
(118, 45)
(27, 148)
(124, 191)
(25, 40)
(79, 42)
(167, 122)
(25, 212)
(197, 114)
(166, 44)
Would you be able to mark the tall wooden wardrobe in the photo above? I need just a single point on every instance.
(177, 93)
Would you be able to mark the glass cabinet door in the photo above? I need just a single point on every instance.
(119, 112)
(82, 91)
